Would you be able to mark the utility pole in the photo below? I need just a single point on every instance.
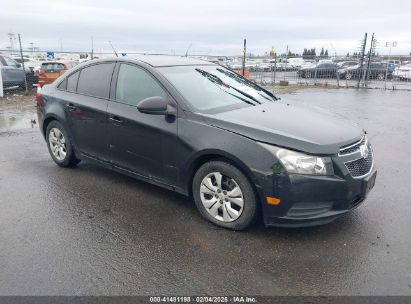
(22, 63)
(244, 53)
(363, 44)
(113, 49)
(186, 55)
(373, 44)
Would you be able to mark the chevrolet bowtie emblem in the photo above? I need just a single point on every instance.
(364, 151)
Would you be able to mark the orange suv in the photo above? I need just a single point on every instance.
(51, 70)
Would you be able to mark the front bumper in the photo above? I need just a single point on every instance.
(307, 200)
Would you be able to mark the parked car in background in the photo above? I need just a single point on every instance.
(320, 70)
(13, 75)
(31, 64)
(376, 71)
(264, 67)
(403, 72)
(296, 62)
(346, 64)
(396, 63)
(51, 70)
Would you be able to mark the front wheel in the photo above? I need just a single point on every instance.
(59, 145)
(224, 196)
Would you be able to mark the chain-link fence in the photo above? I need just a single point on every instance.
(24, 70)
(393, 74)
(15, 75)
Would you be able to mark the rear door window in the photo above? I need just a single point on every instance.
(72, 82)
(95, 80)
(135, 84)
(52, 67)
(63, 85)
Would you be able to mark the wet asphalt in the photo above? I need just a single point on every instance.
(90, 231)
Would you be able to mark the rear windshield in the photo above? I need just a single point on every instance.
(52, 67)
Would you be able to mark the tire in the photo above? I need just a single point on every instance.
(215, 202)
(381, 76)
(308, 74)
(348, 76)
(58, 140)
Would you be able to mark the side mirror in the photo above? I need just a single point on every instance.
(156, 106)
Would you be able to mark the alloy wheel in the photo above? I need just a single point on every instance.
(222, 197)
(57, 144)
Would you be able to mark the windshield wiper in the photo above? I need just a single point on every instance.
(238, 78)
(215, 79)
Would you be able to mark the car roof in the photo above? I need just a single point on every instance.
(166, 60)
(159, 60)
(57, 61)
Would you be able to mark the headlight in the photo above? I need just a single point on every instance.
(297, 162)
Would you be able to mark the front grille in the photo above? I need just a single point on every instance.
(361, 166)
(353, 147)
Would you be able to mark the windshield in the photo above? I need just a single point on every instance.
(213, 87)
(10, 62)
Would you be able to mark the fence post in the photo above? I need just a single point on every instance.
(244, 54)
(338, 78)
(364, 43)
(22, 63)
(1, 84)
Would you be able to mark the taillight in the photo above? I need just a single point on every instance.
(40, 72)
(39, 100)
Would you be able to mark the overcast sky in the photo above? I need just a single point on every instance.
(211, 26)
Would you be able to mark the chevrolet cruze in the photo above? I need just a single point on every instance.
(202, 130)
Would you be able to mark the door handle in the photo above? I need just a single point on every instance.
(71, 107)
(116, 119)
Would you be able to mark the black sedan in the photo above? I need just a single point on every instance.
(202, 130)
(376, 70)
(320, 70)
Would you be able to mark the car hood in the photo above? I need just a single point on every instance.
(298, 127)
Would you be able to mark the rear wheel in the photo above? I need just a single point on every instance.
(348, 76)
(59, 145)
(380, 76)
(224, 196)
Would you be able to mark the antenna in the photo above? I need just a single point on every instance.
(113, 49)
(188, 49)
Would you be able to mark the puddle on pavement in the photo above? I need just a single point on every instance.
(16, 120)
